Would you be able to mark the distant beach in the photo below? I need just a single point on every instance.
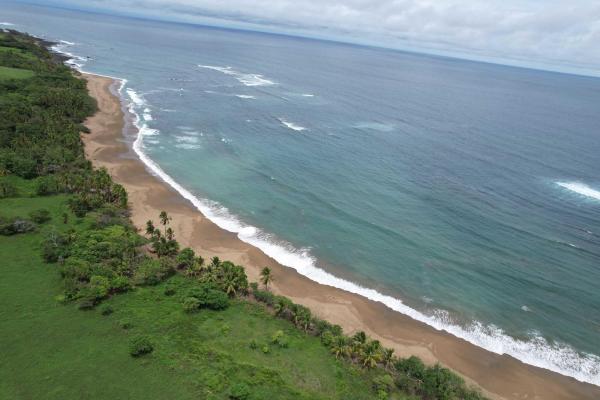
(109, 145)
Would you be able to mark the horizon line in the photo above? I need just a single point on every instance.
(445, 54)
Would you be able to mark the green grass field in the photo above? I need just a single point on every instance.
(15, 73)
(55, 351)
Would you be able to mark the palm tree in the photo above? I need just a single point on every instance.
(170, 234)
(387, 358)
(371, 354)
(150, 227)
(164, 219)
(266, 277)
(339, 347)
(215, 263)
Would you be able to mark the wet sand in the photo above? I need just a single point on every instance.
(499, 376)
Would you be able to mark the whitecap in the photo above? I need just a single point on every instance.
(308, 95)
(245, 96)
(580, 188)
(7, 24)
(291, 125)
(188, 146)
(525, 308)
(186, 139)
(244, 78)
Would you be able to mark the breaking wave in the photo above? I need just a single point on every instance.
(580, 188)
(243, 78)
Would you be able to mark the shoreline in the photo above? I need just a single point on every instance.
(501, 376)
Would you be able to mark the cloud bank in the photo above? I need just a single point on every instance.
(558, 33)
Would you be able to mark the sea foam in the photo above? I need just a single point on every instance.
(580, 188)
(243, 78)
(291, 125)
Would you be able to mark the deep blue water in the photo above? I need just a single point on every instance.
(469, 191)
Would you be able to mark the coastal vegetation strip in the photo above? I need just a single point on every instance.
(156, 314)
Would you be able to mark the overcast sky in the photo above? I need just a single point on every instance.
(550, 33)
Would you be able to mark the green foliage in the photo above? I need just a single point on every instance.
(191, 304)
(208, 296)
(14, 226)
(106, 309)
(40, 216)
(139, 346)
(239, 391)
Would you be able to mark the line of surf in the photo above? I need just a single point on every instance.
(580, 188)
(247, 79)
(536, 351)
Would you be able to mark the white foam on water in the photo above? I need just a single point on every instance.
(291, 125)
(243, 78)
(536, 350)
(188, 146)
(308, 95)
(581, 188)
(7, 24)
(245, 96)
(186, 139)
(525, 308)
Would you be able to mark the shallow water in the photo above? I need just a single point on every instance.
(469, 191)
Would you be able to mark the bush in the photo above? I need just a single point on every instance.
(191, 304)
(120, 284)
(46, 185)
(40, 216)
(280, 339)
(7, 189)
(264, 297)
(152, 272)
(209, 296)
(139, 346)
(125, 324)
(55, 246)
(15, 226)
(170, 290)
(239, 391)
(106, 310)
(383, 383)
(185, 259)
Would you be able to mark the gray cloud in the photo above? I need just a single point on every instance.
(559, 33)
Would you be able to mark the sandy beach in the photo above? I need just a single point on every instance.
(500, 376)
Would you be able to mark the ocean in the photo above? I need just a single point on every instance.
(463, 194)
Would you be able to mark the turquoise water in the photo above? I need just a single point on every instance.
(466, 195)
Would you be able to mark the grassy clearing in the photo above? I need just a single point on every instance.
(15, 73)
(55, 351)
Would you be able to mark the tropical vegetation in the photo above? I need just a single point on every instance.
(159, 321)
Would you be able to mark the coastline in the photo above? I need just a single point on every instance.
(500, 376)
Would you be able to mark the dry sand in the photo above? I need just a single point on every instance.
(500, 376)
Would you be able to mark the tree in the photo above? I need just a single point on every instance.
(150, 228)
(371, 354)
(387, 358)
(164, 219)
(266, 277)
(170, 234)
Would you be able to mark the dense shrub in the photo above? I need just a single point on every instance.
(209, 296)
(152, 272)
(106, 310)
(191, 304)
(40, 216)
(14, 226)
(239, 391)
(7, 189)
(139, 346)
